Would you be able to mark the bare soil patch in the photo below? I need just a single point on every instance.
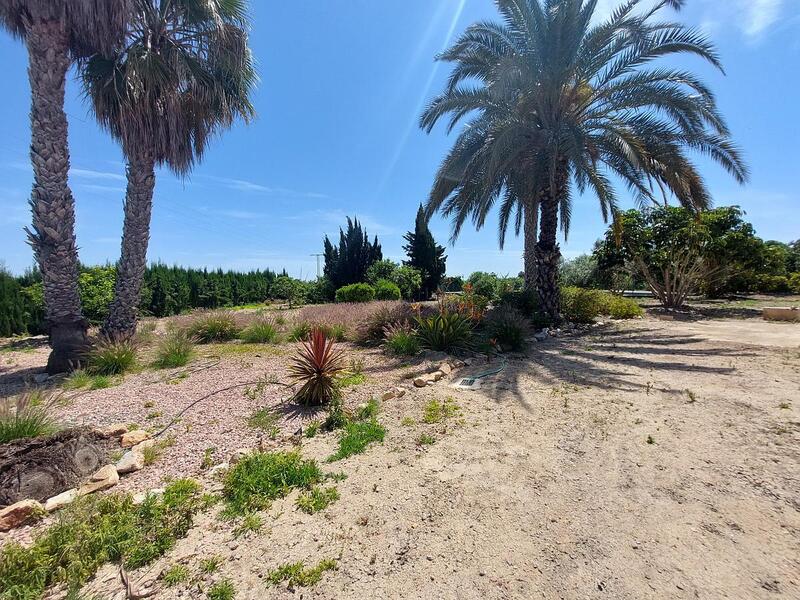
(648, 459)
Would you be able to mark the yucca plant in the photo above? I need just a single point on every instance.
(316, 366)
(445, 331)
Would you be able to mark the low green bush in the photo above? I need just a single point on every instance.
(580, 305)
(262, 331)
(445, 331)
(112, 357)
(508, 327)
(175, 350)
(300, 331)
(618, 307)
(259, 478)
(772, 284)
(355, 438)
(214, 327)
(386, 290)
(794, 283)
(96, 530)
(296, 574)
(401, 340)
(317, 499)
(356, 292)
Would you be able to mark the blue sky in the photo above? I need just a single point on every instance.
(342, 85)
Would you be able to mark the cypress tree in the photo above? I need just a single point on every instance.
(348, 263)
(425, 254)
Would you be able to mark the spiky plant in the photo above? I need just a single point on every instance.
(557, 103)
(316, 367)
(56, 32)
(184, 75)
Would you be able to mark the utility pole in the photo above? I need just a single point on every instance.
(318, 255)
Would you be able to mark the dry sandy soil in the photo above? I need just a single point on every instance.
(647, 459)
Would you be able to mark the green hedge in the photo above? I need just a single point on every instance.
(355, 292)
(386, 290)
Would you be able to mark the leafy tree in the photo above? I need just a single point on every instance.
(557, 103)
(184, 73)
(96, 286)
(382, 269)
(793, 259)
(580, 271)
(12, 306)
(289, 289)
(348, 263)
(55, 31)
(409, 280)
(425, 254)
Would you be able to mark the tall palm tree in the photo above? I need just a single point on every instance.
(555, 103)
(56, 32)
(185, 73)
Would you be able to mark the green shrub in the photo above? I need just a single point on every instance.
(508, 327)
(401, 339)
(25, 416)
(259, 478)
(446, 331)
(356, 437)
(175, 350)
(222, 590)
(772, 284)
(618, 307)
(335, 331)
(96, 530)
(262, 331)
(794, 283)
(175, 575)
(214, 327)
(525, 301)
(300, 331)
(581, 306)
(296, 575)
(317, 499)
(386, 290)
(355, 292)
(112, 357)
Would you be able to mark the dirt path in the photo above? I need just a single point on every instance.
(643, 462)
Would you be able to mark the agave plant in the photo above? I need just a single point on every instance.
(316, 366)
(445, 331)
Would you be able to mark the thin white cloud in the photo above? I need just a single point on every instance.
(92, 174)
(102, 189)
(252, 187)
(244, 215)
(758, 15)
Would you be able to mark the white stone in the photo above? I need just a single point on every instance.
(61, 500)
(105, 478)
(445, 368)
(239, 454)
(437, 375)
(217, 470)
(132, 438)
(113, 430)
(131, 461)
(399, 392)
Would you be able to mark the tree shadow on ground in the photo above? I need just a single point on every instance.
(606, 362)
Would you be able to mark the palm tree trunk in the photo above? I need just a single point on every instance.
(548, 253)
(530, 238)
(53, 231)
(121, 320)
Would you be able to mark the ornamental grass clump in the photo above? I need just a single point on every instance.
(317, 366)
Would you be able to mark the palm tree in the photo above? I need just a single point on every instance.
(557, 103)
(56, 32)
(184, 74)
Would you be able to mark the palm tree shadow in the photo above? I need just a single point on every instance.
(605, 363)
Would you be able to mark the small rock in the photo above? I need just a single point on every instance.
(113, 430)
(61, 500)
(105, 478)
(239, 454)
(19, 513)
(131, 461)
(217, 470)
(457, 364)
(445, 368)
(399, 392)
(132, 438)
(388, 395)
(420, 382)
(437, 376)
(142, 445)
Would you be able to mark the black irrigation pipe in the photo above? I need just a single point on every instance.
(184, 410)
